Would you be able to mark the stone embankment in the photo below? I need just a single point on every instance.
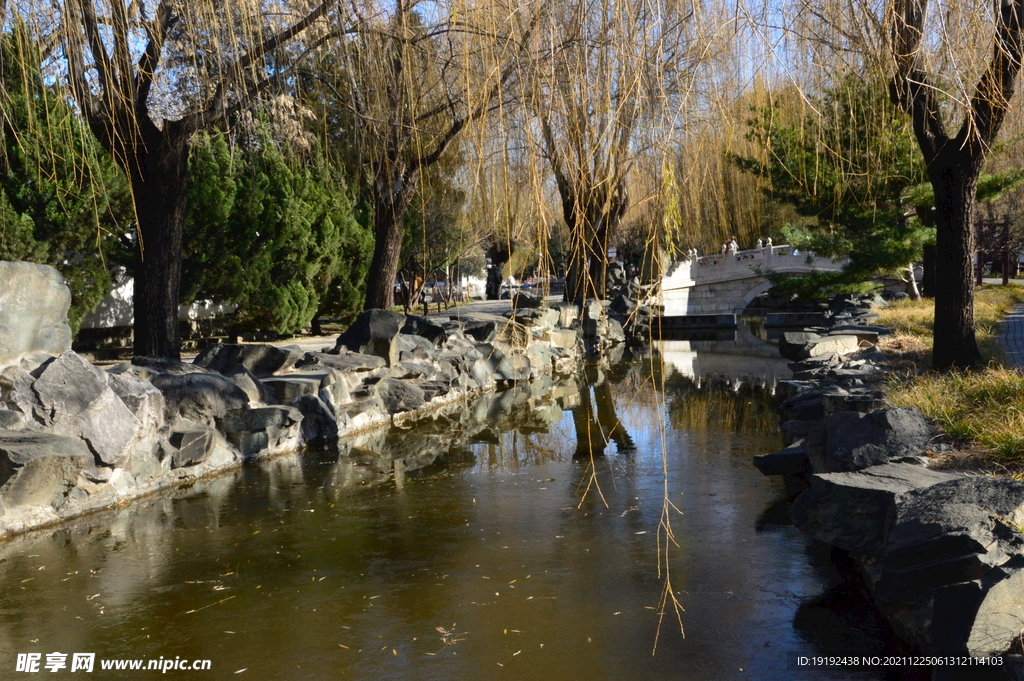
(941, 553)
(75, 437)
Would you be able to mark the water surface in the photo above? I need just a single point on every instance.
(516, 539)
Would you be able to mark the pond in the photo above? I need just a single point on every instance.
(519, 537)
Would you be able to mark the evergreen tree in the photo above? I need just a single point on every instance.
(274, 235)
(62, 201)
(846, 168)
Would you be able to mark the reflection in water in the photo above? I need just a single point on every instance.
(594, 435)
(360, 562)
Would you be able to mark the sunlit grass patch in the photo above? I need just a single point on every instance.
(984, 408)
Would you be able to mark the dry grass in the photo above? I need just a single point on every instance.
(983, 410)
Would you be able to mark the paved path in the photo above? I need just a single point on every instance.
(1011, 336)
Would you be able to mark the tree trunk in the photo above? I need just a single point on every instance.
(915, 294)
(159, 183)
(388, 222)
(954, 181)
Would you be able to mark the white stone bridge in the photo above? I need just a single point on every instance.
(726, 283)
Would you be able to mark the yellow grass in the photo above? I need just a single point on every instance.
(981, 409)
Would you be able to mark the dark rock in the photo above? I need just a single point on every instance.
(250, 385)
(254, 431)
(523, 299)
(192, 446)
(398, 396)
(951, 532)
(850, 441)
(792, 343)
(546, 317)
(39, 468)
(290, 387)
(344, 361)
(319, 424)
(373, 333)
(854, 510)
(412, 348)
(417, 325)
(789, 461)
(168, 366)
(434, 388)
(261, 360)
(198, 397)
(859, 403)
(622, 304)
(793, 430)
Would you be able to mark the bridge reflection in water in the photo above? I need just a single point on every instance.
(735, 356)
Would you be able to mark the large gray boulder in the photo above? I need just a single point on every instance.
(345, 361)
(265, 429)
(373, 333)
(418, 325)
(72, 397)
(198, 397)
(34, 302)
(854, 510)
(851, 441)
(951, 532)
(260, 359)
(38, 468)
(398, 396)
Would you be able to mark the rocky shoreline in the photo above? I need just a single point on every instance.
(75, 438)
(941, 553)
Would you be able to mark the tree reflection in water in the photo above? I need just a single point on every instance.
(597, 427)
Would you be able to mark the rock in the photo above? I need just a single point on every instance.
(290, 387)
(794, 430)
(418, 325)
(346, 361)
(198, 397)
(567, 314)
(261, 360)
(524, 299)
(563, 339)
(999, 620)
(257, 392)
(39, 468)
(792, 343)
(398, 396)
(850, 441)
(193, 446)
(622, 304)
(10, 420)
(373, 333)
(840, 345)
(319, 424)
(864, 404)
(71, 397)
(789, 461)
(613, 331)
(142, 399)
(413, 347)
(261, 430)
(951, 532)
(545, 317)
(434, 388)
(161, 365)
(593, 318)
(34, 302)
(853, 510)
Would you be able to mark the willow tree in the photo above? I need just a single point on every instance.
(612, 85)
(412, 78)
(146, 77)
